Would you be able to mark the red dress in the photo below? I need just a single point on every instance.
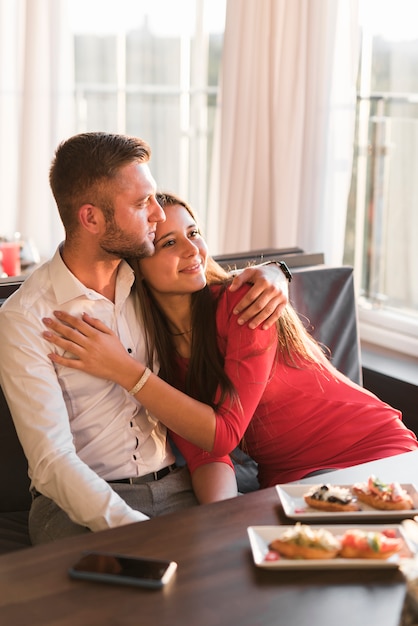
(294, 421)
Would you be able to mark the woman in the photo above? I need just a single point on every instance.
(272, 390)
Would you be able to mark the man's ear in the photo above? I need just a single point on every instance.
(91, 218)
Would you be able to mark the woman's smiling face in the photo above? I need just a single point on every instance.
(179, 262)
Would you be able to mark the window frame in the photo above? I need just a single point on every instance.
(381, 327)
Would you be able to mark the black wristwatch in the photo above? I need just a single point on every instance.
(286, 271)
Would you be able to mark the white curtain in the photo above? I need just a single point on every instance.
(36, 95)
(283, 148)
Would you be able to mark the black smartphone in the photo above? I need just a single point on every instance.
(123, 570)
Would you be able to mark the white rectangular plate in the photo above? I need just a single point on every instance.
(295, 507)
(261, 536)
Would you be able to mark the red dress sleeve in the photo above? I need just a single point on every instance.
(249, 362)
(194, 456)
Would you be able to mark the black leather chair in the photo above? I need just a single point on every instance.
(14, 486)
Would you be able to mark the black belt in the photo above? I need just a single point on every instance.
(147, 478)
(137, 480)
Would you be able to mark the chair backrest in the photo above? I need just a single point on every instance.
(9, 286)
(324, 297)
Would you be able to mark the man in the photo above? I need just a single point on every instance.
(96, 458)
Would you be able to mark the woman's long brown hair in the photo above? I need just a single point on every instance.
(206, 372)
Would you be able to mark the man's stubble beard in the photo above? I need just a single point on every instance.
(117, 243)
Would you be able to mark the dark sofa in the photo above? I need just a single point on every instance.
(14, 486)
(324, 296)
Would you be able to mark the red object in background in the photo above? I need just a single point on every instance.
(11, 257)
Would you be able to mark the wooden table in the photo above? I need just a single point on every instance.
(216, 582)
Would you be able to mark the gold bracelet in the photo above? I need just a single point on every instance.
(141, 382)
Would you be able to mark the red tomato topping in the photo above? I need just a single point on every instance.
(272, 556)
(355, 539)
(376, 541)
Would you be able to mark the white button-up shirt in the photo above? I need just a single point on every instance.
(77, 431)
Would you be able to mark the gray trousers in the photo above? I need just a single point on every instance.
(48, 522)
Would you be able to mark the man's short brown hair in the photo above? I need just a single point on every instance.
(82, 166)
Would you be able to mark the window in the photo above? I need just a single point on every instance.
(382, 227)
(150, 68)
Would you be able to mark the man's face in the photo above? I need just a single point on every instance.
(130, 231)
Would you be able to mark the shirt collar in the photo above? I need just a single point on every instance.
(67, 287)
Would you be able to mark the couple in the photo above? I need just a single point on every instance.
(94, 428)
(220, 383)
(97, 458)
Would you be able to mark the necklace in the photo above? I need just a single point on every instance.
(186, 332)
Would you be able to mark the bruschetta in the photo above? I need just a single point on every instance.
(383, 496)
(304, 542)
(360, 544)
(331, 498)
